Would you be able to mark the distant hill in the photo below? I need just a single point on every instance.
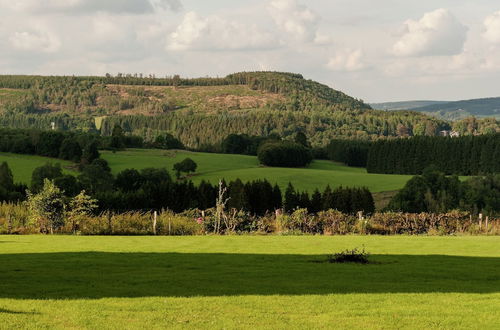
(487, 107)
(404, 105)
(481, 108)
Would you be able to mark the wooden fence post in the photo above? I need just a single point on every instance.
(154, 222)
(110, 225)
(480, 221)
(9, 222)
(169, 225)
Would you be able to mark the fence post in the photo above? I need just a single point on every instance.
(486, 223)
(9, 222)
(110, 225)
(480, 221)
(154, 222)
(169, 225)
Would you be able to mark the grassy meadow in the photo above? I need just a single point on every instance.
(22, 166)
(277, 282)
(213, 167)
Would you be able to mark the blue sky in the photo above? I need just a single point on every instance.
(382, 50)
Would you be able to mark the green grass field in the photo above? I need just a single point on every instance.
(277, 282)
(22, 166)
(213, 167)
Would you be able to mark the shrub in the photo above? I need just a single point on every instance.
(173, 224)
(284, 153)
(350, 256)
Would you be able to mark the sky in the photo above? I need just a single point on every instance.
(384, 50)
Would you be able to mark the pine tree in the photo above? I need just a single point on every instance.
(291, 200)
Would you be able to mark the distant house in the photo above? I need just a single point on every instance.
(449, 133)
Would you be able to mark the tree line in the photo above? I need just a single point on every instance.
(154, 189)
(435, 192)
(467, 155)
(78, 147)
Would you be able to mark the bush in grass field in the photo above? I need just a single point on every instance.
(284, 154)
(357, 256)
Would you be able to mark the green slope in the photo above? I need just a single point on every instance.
(213, 167)
(22, 166)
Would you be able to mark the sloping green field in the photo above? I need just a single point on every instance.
(22, 166)
(273, 282)
(213, 167)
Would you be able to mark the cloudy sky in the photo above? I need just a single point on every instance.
(384, 50)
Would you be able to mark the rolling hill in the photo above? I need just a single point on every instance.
(481, 108)
(404, 105)
(201, 112)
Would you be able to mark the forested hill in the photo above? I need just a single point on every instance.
(404, 105)
(151, 95)
(203, 111)
(485, 107)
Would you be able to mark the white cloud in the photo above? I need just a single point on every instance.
(437, 33)
(347, 60)
(216, 33)
(295, 19)
(35, 41)
(492, 28)
(90, 6)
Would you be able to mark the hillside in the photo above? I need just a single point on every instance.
(152, 96)
(201, 112)
(487, 107)
(456, 110)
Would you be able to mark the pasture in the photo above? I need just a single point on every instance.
(248, 282)
(22, 166)
(213, 167)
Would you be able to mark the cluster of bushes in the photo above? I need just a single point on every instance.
(243, 144)
(467, 155)
(17, 219)
(435, 192)
(284, 154)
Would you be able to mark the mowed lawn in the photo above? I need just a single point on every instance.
(22, 166)
(213, 167)
(277, 282)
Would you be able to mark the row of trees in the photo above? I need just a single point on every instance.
(468, 155)
(154, 189)
(434, 192)
(76, 147)
(349, 152)
(344, 199)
